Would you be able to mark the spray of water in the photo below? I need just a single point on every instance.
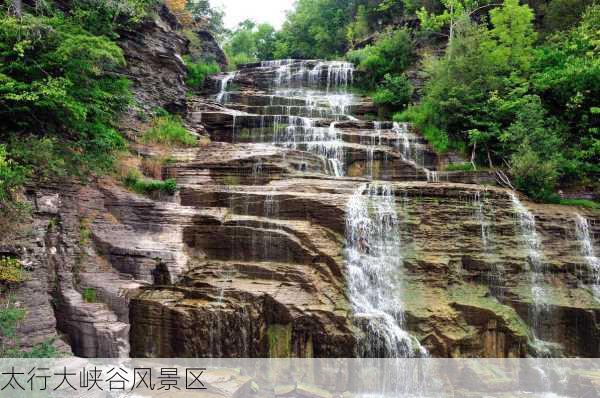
(374, 258)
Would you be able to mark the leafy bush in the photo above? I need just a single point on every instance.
(11, 176)
(391, 54)
(459, 167)
(11, 270)
(590, 204)
(395, 92)
(169, 130)
(145, 186)
(89, 295)
(197, 72)
(10, 316)
(421, 116)
(533, 176)
(104, 17)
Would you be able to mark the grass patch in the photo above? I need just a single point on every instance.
(459, 167)
(169, 130)
(85, 232)
(11, 270)
(144, 186)
(10, 317)
(197, 72)
(589, 204)
(89, 295)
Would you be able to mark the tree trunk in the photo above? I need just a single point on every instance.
(16, 8)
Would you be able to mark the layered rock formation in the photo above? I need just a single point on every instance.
(301, 230)
(270, 277)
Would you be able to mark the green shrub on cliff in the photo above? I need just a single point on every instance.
(390, 55)
(394, 92)
(61, 91)
(145, 186)
(10, 317)
(169, 130)
(198, 71)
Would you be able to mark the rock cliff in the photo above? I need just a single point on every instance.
(302, 230)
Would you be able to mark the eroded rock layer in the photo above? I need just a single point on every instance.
(251, 257)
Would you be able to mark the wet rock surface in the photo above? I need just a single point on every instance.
(253, 256)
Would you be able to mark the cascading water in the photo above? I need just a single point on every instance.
(222, 96)
(402, 139)
(338, 73)
(374, 260)
(304, 105)
(588, 252)
(479, 213)
(533, 245)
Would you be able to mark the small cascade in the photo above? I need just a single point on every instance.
(402, 140)
(374, 258)
(533, 245)
(588, 252)
(338, 73)
(271, 211)
(222, 96)
(432, 175)
(374, 143)
(479, 213)
(495, 275)
(276, 63)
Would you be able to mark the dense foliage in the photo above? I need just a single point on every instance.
(168, 130)
(249, 43)
(534, 109)
(392, 53)
(60, 91)
(198, 71)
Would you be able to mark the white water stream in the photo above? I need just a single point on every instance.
(374, 258)
(588, 252)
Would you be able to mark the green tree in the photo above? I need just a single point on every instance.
(359, 29)
(250, 43)
(513, 35)
(391, 54)
(315, 29)
(394, 92)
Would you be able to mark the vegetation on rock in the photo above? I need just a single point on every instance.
(168, 130)
(145, 186)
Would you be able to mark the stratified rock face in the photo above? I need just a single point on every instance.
(210, 48)
(269, 276)
(153, 52)
(301, 230)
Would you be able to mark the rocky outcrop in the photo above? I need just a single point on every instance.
(153, 52)
(210, 48)
(251, 257)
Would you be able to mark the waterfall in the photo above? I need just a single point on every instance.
(374, 261)
(224, 85)
(338, 73)
(432, 176)
(588, 252)
(480, 217)
(533, 245)
(402, 139)
(373, 144)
